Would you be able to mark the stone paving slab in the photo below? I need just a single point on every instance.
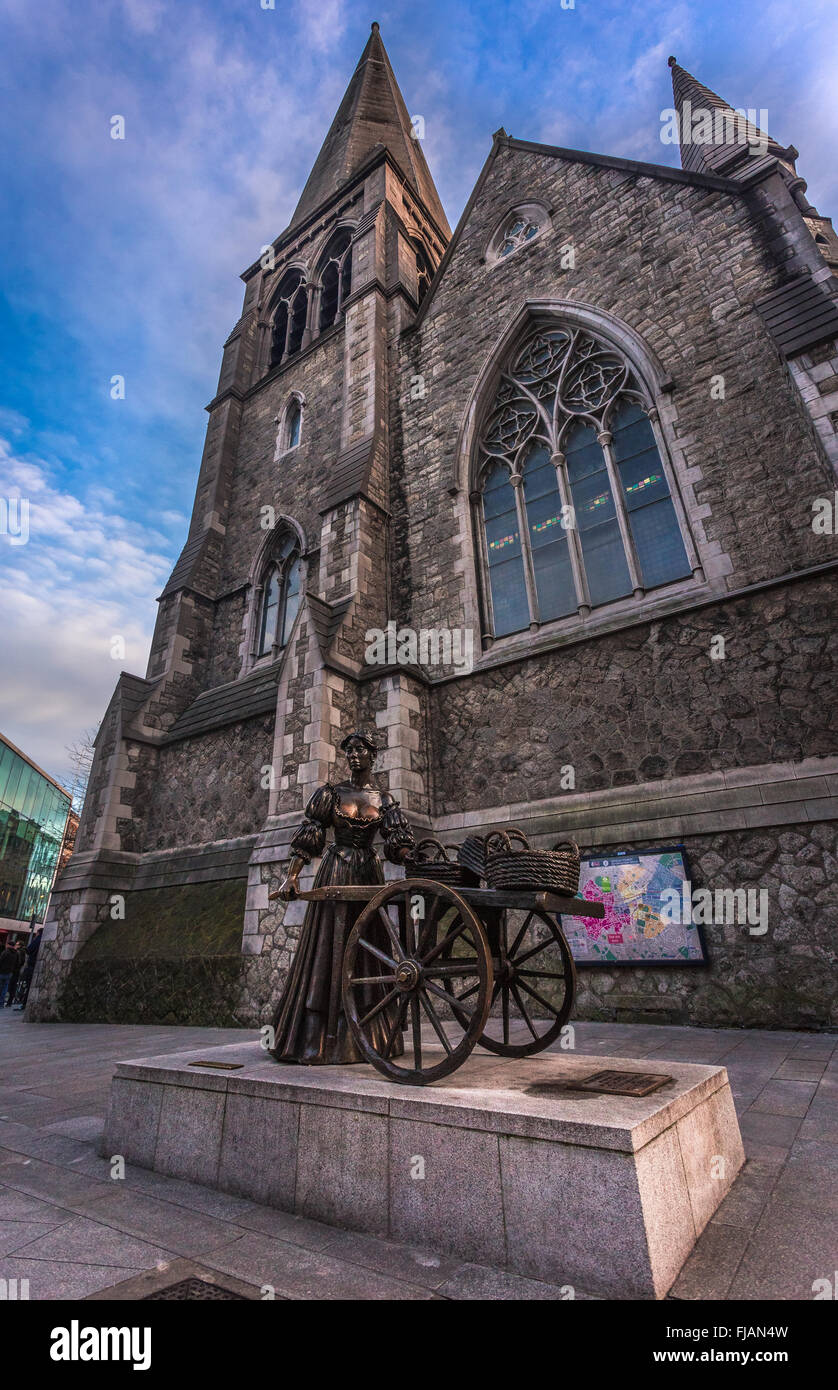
(293, 1272)
(51, 1279)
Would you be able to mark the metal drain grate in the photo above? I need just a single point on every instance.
(195, 1290)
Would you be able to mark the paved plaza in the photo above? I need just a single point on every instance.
(73, 1231)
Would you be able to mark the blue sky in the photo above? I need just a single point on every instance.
(123, 257)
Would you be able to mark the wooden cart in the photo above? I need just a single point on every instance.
(475, 964)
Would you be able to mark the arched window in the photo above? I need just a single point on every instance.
(335, 278)
(289, 424)
(289, 319)
(278, 596)
(518, 229)
(573, 499)
(424, 271)
(293, 424)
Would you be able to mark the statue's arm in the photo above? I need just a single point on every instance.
(399, 840)
(308, 840)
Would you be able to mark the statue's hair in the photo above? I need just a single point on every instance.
(366, 736)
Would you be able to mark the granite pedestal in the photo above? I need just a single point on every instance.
(500, 1163)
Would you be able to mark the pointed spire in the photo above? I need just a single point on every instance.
(372, 113)
(723, 141)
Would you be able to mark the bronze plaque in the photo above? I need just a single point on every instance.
(219, 1066)
(622, 1083)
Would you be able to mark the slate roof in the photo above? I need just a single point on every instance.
(326, 618)
(799, 315)
(186, 563)
(229, 704)
(349, 474)
(708, 158)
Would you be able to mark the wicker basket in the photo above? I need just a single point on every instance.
(553, 870)
(471, 856)
(431, 861)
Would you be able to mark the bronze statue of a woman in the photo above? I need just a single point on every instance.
(309, 1025)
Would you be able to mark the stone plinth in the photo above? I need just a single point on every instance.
(606, 1194)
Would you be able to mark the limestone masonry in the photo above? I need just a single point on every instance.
(344, 485)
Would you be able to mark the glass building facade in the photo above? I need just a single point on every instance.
(33, 818)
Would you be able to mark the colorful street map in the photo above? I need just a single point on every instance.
(637, 925)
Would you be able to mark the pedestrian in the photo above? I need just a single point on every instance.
(29, 968)
(8, 963)
(15, 976)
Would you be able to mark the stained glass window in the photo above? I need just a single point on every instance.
(654, 525)
(292, 598)
(503, 547)
(552, 567)
(270, 604)
(519, 228)
(572, 420)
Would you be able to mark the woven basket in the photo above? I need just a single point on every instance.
(471, 856)
(553, 870)
(472, 852)
(431, 861)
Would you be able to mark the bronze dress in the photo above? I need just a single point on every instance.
(301, 1022)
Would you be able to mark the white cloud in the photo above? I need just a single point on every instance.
(87, 574)
(323, 22)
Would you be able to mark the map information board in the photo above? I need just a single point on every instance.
(638, 926)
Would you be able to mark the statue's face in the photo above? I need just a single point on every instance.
(358, 756)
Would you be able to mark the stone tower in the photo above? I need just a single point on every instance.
(203, 766)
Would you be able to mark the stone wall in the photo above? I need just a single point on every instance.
(209, 787)
(646, 702)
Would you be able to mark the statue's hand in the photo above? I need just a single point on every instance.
(289, 888)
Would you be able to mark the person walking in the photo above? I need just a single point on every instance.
(8, 963)
(20, 961)
(29, 968)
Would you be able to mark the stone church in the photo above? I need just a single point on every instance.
(584, 449)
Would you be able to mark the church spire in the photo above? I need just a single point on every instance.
(372, 113)
(715, 138)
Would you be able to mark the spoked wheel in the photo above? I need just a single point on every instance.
(423, 936)
(535, 985)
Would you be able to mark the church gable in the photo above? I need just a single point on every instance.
(663, 270)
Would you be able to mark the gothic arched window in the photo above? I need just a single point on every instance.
(289, 424)
(293, 424)
(424, 271)
(289, 319)
(335, 278)
(573, 499)
(278, 596)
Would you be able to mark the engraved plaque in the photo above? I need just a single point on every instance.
(622, 1083)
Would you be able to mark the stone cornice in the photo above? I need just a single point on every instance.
(707, 803)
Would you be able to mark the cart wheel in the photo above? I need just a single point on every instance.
(534, 975)
(431, 937)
